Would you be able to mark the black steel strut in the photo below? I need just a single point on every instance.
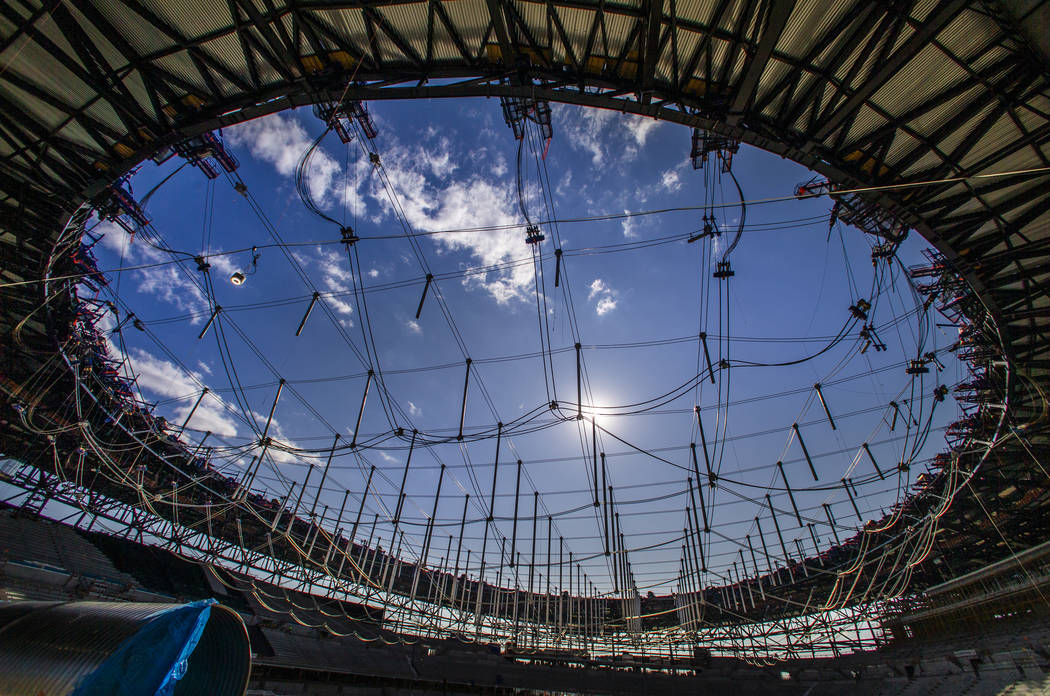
(419, 309)
(780, 537)
(791, 496)
(324, 475)
(805, 450)
(711, 477)
(463, 405)
(831, 522)
(707, 356)
(852, 500)
(514, 529)
(495, 472)
(404, 478)
(361, 411)
(827, 412)
(872, 458)
(364, 497)
(309, 309)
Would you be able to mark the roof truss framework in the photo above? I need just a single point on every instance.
(867, 93)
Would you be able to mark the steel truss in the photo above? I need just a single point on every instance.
(818, 634)
(753, 78)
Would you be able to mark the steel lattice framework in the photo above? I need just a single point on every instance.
(942, 107)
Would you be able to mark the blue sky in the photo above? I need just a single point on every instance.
(451, 169)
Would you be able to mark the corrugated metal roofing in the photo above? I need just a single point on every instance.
(817, 45)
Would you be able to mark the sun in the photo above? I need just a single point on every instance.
(599, 409)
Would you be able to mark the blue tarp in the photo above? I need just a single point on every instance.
(151, 662)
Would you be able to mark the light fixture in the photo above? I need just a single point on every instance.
(237, 278)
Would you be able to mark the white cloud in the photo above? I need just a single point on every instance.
(459, 205)
(413, 326)
(373, 273)
(605, 305)
(439, 159)
(499, 167)
(388, 458)
(161, 379)
(282, 448)
(414, 410)
(629, 225)
(335, 278)
(671, 180)
(164, 379)
(172, 286)
(169, 282)
(432, 200)
(606, 297)
(640, 128)
(597, 287)
(114, 237)
(223, 265)
(281, 140)
(586, 130)
(353, 191)
(564, 187)
(604, 134)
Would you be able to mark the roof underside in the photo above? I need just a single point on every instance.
(867, 93)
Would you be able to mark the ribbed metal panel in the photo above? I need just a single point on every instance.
(112, 56)
(470, 18)
(619, 27)
(809, 22)
(74, 132)
(40, 67)
(998, 136)
(227, 50)
(221, 663)
(1031, 113)
(577, 24)
(52, 32)
(139, 34)
(928, 71)
(996, 197)
(928, 122)
(37, 108)
(930, 68)
(389, 51)
(411, 22)
(50, 647)
(346, 23)
(867, 120)
(180, 66)
(194, 18)
(928, 160)
(103, 111)
(966, 33)
(8, 29)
